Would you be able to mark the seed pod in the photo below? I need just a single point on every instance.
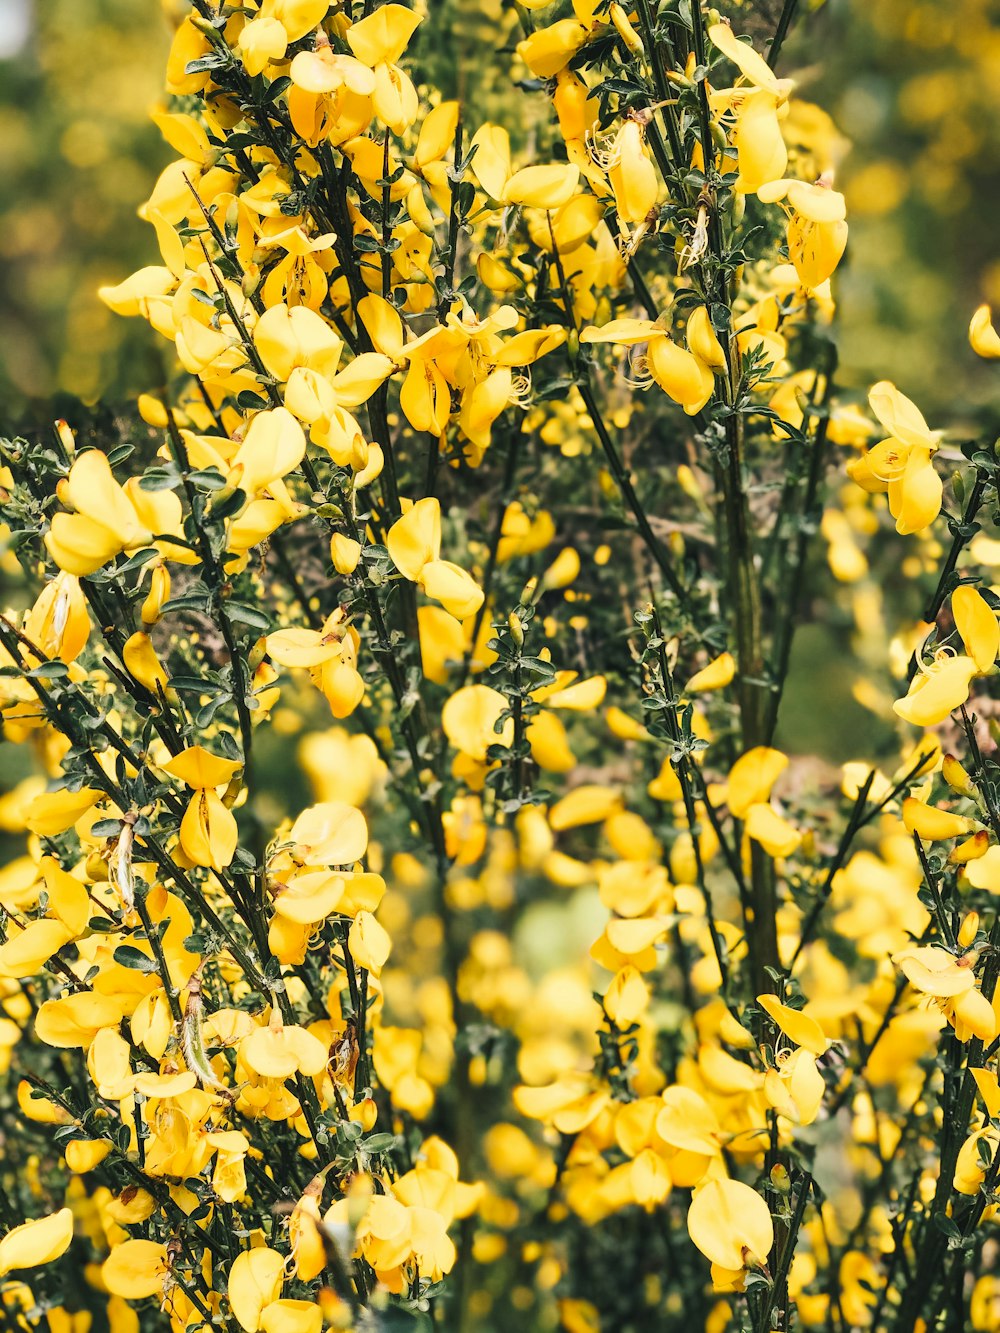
(193, 1041)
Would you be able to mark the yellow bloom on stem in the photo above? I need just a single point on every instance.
(58, 623)
(278, 1051)
(277, 24)
(332, 833)
(470, 718)
(716, 676)
(939, 687)
(901, 465)
(208, 832)
(414, 543)
(932, 824)
(681, 374)
(797, 1026)
(329, 655)
(752, 777)
(775, 834)
(26, 950)
(758, 106)
(255, 1280)
(817, 230)
(369, 942)
(135, 1269)
(731, 1224)
(104, 522)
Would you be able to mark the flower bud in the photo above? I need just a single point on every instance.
(971, 849)
(932, 824)
(780, 1179)
(625, 30)
(66, 437)
(159, 592)
(345, 553)
(968, 930)
(956, 776)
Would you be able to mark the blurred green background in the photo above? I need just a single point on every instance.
(77, 156)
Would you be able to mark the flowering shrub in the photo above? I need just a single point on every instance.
(493, 479)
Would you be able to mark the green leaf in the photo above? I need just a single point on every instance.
(248, 615)
(160, 478)
(191, 601)
(134, 959)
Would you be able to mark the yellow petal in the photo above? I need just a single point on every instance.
(776, 835)
(679, 374)
(977, 623)
(752, 777)
(76, 1019)
(415, 539)
(383, 36)
(25, 951)
(900, 417)
(54, 812)
(292, 1316)
(589, 803)
(36, 1242)
(915, 499)
(547, 187)
(934, 694)
(983, 337)
(369, 942)
(932, 824)
(703, 341)
(198, 767)
(550, 49)
(382, 321)
(491, 161)
(729, 1223)
(255, 1280)
(751, 65)
(274, 446)
(716, 676)
(469, 719)
(301, 648)
(330, 834)
(209, 833)
(135, 1269)
(797, 1026)
(457, 591)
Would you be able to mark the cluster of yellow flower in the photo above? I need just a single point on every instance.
(267, 1046)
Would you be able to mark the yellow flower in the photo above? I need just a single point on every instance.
(760, 147)
(983, 337)
(941, 686)
(104, 522)
(37, 1242)
(135, 1269)
(368, 942)
(730, 1223)
(680, 373)
(901, 465)
(255, 1280)
(414, 543)
(817, 230)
